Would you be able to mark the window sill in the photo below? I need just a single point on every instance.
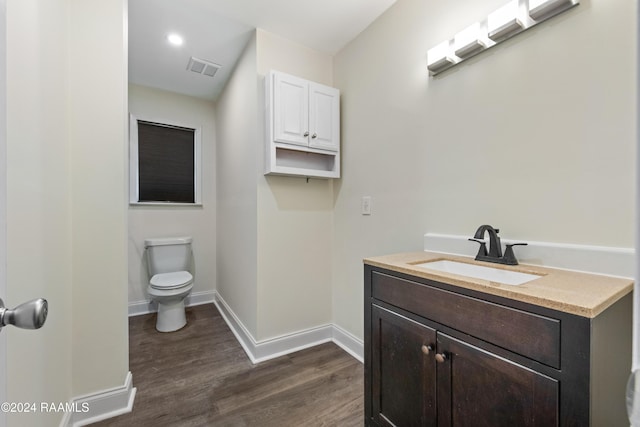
(166, 204)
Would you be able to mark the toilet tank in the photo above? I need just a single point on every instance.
(168, 254)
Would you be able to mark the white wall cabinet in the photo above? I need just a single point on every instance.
(303, 127)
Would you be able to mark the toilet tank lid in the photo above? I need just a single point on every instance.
(163, 241)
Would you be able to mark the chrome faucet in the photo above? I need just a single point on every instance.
(495, 247)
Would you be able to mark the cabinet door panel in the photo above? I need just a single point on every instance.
(404, 387)
(291, 110)
(481, 389)
(324, 116)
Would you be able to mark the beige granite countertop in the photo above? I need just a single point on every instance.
(572, 292)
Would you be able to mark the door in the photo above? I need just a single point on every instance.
(403, 371)
(480, 389)
(3, 189)
(290, 110)
(324, 117)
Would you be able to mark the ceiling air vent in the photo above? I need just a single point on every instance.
(201, 66)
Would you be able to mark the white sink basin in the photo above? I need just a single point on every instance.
(497, 275)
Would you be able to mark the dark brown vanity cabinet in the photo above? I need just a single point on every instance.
(438, 355)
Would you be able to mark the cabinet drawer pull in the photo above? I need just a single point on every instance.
(315, 135)
(442, 357)
(306, 134)
(426, 349)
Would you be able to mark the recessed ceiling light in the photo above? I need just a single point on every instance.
(175, 39)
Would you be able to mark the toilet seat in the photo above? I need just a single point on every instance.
(173, 280)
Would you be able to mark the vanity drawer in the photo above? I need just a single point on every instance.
(528, 334)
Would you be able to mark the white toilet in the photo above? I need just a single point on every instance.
(168, 260)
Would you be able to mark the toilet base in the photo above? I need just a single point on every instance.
(171, 316)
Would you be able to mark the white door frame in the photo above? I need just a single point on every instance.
(632, 386)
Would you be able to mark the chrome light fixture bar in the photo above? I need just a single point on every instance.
(440, 57)
(469, 41)
(502, 24)
(541, 9)
(507, 21)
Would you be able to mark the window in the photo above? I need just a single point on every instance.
(164, 163)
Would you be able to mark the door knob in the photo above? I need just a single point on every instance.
(441, 357)
(30, 315)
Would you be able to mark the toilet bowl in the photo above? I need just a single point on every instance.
(168, 260)
(169, 290)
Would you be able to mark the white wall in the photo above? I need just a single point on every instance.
(281, 54)
(237, 162)
(295, 217)
(66, 214)
(98, 128)
(160, 221)
(535, 136)
(274, 238)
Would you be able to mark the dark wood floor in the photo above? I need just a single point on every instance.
(200, 376)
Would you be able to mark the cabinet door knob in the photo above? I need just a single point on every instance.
(441, 357)
(426, 349)
(315, 135)
(306, 134)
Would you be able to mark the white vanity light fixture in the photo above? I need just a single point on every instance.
(506, 21)
(440, 57)
(513, 18)
(542, 9)
(469, 41)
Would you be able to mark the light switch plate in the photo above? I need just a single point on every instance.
(366, 205)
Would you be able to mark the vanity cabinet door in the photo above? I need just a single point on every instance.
(403, 371)
(477, 388)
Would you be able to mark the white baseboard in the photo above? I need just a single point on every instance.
(138, 308)
(349, 343)
(610, 261)
(260, 351)
(95, 407)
